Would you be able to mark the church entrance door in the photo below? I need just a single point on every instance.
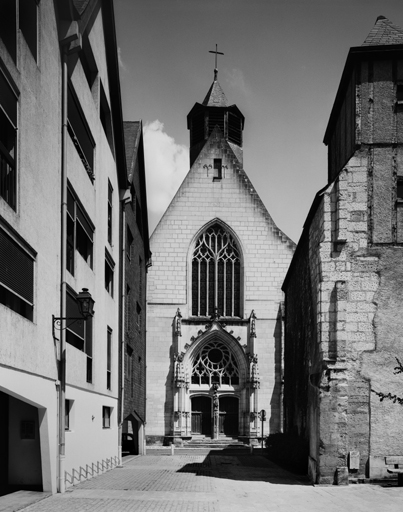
(229, 407)
(201, 415)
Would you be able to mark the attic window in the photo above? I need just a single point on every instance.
(217, 169)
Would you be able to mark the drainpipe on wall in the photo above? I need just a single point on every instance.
(72, 38)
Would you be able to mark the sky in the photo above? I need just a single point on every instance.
(282, 65)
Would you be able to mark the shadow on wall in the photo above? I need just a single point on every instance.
(168, 405)
(276, 420)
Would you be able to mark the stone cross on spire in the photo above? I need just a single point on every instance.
(216, 68)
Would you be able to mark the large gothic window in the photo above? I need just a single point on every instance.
(216, 274)
(215, 364)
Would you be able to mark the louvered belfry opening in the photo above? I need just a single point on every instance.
(216, 274)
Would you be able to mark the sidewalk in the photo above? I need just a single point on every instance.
(221, 481)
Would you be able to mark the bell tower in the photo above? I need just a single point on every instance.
(215, 111)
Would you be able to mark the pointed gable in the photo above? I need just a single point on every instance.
(215, 96)
(384, 32)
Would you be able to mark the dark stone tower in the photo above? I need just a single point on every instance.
(215, 111)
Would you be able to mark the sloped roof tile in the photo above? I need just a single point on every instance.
(131, 131)
(384, 32)
(215, 96)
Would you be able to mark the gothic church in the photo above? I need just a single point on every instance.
(214, 314)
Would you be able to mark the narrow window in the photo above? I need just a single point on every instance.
(139, 220)
(217, 169)
(129, 369)
(110, 195)
(16, 277)
(106, 118)
(80, 232)
(108, 357)
(128, 308)
(79, 332)
(140, 278)
(216, 274)
(8, 26)
(138, 315)
(106, 417)
(109, 266)
(28, 23)
(8, 142)
(80, 133)
(129, 242)
(68, 405)
(88, 62)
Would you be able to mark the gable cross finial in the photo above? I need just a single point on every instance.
(216, 68)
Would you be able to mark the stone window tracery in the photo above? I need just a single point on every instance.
(216, 274)
(215, 364)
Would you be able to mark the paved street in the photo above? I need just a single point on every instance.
(215, 481)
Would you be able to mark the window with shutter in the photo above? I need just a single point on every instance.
(16, 277)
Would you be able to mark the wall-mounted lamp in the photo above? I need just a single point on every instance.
(85, 304)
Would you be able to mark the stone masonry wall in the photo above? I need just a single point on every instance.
(266, 256)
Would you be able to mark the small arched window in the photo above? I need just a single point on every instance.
(216, 274)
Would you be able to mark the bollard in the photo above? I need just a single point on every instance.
(172, 449)
(251, 448)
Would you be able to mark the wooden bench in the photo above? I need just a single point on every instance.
(395, 466)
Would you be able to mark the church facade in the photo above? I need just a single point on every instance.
(214, 333)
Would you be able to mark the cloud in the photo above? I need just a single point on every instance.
(167, 163)
(122, 65)
(236, 79)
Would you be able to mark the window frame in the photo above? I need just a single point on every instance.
(78, 129)
(212, 287)
(109, 273)
(106, 416)
(8, 155)
(84, 341)
(108, 358)
(217, 169)
(78, 220)
(17, 287)
(110, 212)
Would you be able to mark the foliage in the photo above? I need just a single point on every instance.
(398, 369)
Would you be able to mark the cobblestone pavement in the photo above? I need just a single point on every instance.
(213, 482)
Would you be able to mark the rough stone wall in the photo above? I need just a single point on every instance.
(266, 256)
(356, 272)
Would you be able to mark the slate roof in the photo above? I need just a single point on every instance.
(81, 5)
(215, 96)
(131, 130)
(384, 33)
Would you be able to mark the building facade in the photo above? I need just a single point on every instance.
(135, 264)
(214, 336)
(343, 289)
(62, 169)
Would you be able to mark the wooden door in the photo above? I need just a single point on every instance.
(229, 408)
(201, 415)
